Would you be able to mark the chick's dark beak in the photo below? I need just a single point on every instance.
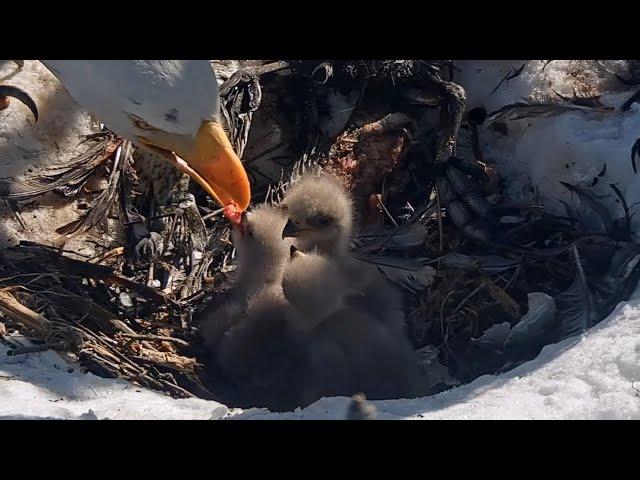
(241, 223)
(290, 230)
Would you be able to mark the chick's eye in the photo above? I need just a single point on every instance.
(319, 221)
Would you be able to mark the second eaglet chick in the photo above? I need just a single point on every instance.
(320, 217)
(315, 286)
(263, 355)
(349, 351)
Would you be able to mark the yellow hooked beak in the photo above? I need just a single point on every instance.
(211, 162)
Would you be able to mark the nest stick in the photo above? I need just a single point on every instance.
(17, 312)
(161, 338)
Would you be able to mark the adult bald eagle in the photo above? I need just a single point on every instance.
(169, 107)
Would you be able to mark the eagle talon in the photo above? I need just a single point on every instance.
(7, 91)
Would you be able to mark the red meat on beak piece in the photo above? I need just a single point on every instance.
(234, 215)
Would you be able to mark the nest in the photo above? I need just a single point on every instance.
(480, 296)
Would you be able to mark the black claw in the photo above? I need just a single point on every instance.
(634, 98)
(21, 95)
(635, 152)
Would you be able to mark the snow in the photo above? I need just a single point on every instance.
(44, 386)
(586, 377)
(574, 147)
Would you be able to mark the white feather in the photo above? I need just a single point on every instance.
(174, 96)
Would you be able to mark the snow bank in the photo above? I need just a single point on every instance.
(573, 147)
(44, 386)
(587, 377)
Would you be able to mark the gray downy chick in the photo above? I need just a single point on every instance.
(252, 339)
(263, 355)
(349, 350)
(262, 256)
(320, 217)
(315, 285)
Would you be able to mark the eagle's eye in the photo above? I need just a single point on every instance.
(142, 125)
(139, 123)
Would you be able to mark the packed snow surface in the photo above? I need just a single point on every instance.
(43, 385)
(594, 376)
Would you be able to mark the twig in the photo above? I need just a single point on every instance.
(467, 298)
(23, 315)
(213, 214)
(513, 278)
(395, 224)
(14, 210)
(161, 338)
(116, 252)
(268, 68)
(442, 304)
(439, 220)
(102, 317)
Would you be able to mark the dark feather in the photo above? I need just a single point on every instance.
(509, 76)
(534, 325)
(626, 226)
(589, 199)
(67, 179)
(593, 101)
(411, 274)
(399, 239)
(98, 213)
(493, 338)
(521, 110)
(575, 306)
